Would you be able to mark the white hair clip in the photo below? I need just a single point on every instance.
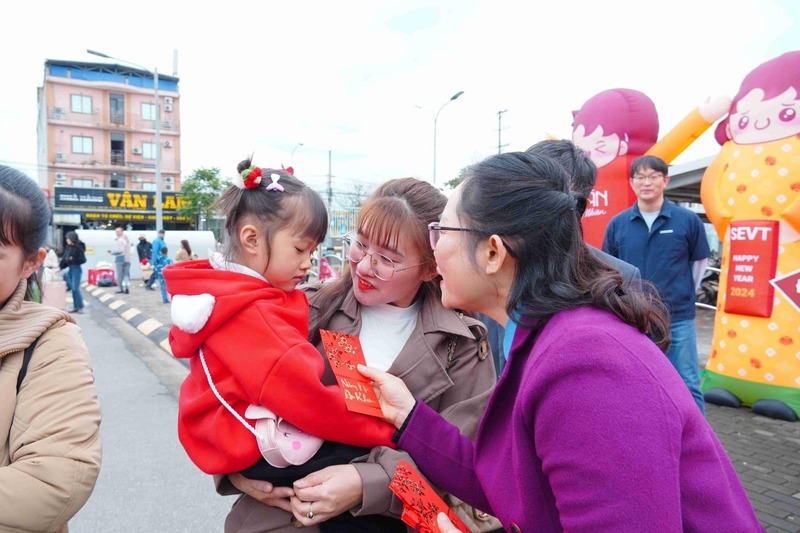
(275, 186)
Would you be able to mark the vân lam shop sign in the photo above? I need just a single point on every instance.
(113, 200)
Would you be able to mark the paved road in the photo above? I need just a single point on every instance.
(765, 452)
(147, 482)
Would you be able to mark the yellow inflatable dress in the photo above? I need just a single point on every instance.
(751, 193)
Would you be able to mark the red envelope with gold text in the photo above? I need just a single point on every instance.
(344, 353)
(421, 504)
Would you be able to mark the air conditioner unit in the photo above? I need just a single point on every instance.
(137, 151)
(168, 108)
(169, 179)
(60, 157)
(168, 100)
(58, 113)
(167, 144)
(61, 176)
(169, 187)
(136, 179)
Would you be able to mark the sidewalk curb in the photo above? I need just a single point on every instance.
(148, 326)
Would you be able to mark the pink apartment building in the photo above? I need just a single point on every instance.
(97, 146)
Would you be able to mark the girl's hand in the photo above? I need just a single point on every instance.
(395, 399)
(327, 493)
(263, 491)
(445, 525)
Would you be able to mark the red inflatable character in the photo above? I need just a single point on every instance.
(615, 127)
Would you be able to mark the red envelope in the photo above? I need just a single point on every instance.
(420, 502)
(344, 353)
(409, 517)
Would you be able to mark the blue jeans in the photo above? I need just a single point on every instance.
(74, 283)
(683, 356)
(123, 275)
(164, 297)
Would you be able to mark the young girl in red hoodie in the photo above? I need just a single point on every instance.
(253, 396)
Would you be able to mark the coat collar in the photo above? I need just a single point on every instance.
(431, 317)
(23, 322)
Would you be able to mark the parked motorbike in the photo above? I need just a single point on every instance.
(709, 285)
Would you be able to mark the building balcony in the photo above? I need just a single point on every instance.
(112, 121)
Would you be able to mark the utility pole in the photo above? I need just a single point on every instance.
(500, 144)
(330, 184)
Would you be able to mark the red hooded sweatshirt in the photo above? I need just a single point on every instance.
(255, 342)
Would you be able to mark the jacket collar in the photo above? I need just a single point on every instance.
(23, 322)
(431, 317)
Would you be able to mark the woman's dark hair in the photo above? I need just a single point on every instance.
(398, 207)
(24, 217)
(526, 200)
(298, 208)
(186, 247)
(73, 237)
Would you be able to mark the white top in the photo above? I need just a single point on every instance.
(649, 218)
(218, 262)
(385, 329)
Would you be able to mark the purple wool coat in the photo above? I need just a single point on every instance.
(590, 428)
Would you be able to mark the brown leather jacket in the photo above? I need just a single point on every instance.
(458, 385)
(51, 453)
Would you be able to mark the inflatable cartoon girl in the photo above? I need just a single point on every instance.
(615, 127)
(751, 193)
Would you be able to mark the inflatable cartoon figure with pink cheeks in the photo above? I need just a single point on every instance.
(751, 193)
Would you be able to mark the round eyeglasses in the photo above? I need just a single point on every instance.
(435, 233)
(652, 178)
(382, 267)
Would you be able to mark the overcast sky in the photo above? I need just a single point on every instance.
(348, 76)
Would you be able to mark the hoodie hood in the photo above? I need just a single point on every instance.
(205, 299)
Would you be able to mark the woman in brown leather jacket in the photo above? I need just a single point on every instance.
(389, 297)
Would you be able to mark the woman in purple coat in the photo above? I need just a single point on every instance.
(589, 427)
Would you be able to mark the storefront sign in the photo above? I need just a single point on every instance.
(113, 199)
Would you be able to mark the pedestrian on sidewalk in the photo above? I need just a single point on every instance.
(49, 412)
(144, 249)
(122, 260)
(72, 259)
(185, 252)
(155, 253)
(162, 261)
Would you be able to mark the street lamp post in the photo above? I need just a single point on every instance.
(154, 73)
(435, 121)
(500, 130)
(291, 158)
